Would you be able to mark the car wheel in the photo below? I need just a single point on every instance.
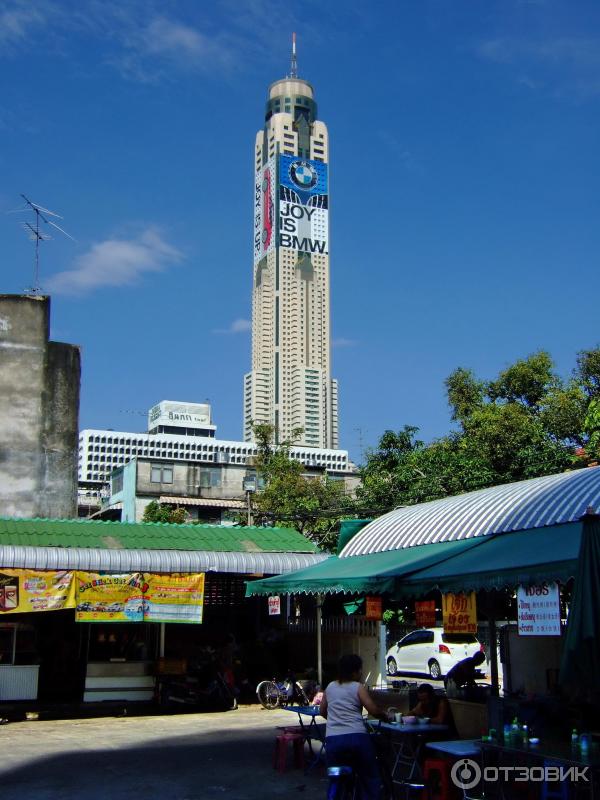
(392, 667)
(435, 671)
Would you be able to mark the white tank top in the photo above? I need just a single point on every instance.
(344, 709)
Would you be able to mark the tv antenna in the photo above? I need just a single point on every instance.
(36, 235)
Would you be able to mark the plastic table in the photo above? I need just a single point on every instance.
(312, 731)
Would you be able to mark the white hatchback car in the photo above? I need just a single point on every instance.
(431, 651)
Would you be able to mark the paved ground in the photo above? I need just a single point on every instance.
(178, 757)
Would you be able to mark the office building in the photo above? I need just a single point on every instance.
(290, 385)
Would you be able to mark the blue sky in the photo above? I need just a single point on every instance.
(465, 177)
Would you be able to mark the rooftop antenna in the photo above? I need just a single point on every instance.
(294, 66)
(38, 236)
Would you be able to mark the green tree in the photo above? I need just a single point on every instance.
(465, 393)
(526, 381)
(313, 505)
(158, 512)
(525, 423)
(587, 372)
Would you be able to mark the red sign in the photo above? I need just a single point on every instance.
(459, 612)
(374, 608)
(425, 613)
(274, 606)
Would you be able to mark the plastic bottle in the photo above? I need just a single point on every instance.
(584, 744)
(525, 730)
(574, 738)
(506, 733)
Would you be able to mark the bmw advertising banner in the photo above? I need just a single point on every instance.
(264, 210)
(303, 205)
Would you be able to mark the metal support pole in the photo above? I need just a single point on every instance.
(319, 640)
(161, 641)
(249, 508)
(494, 657)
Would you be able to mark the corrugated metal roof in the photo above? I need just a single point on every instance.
(83, 533)
(201, 502)
(94, 559)
(535, 503)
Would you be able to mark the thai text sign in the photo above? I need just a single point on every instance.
(96, 597)
(374, 608)
(425, 613)
(139, 597)
(538, 610)
(174, 598)
(274, 606)
(459, 613)
(23, 590)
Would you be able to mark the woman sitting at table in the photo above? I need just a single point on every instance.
(433, 706)
(347, 742)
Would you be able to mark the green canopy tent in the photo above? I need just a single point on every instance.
(375, 573)
(580, 667)
(505, 560)
(495, 561)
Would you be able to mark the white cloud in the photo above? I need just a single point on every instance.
(147, 48)
(237, 326)
(568, 65)
(341, 342)
(17, 21)
(116, 262)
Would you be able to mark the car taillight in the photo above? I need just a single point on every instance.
(443, 648)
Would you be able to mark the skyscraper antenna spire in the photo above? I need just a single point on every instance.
(294, 67)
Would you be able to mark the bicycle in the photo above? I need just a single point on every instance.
(277, 694)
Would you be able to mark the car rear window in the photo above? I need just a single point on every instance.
(459, 638)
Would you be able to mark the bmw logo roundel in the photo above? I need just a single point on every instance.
(303, 174)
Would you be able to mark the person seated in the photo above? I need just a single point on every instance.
(464, 673)
(432, 705)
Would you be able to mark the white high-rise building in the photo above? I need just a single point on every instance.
(290, 384)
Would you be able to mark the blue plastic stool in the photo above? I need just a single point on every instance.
(554, 790)
(341, 783)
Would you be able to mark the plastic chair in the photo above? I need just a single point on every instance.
(437, 779)
(342, 784)
(554, 790)
(281, 748)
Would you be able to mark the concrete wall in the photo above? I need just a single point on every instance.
(39, 411)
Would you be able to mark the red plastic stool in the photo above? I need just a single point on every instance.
(437, 779)
(281, 747)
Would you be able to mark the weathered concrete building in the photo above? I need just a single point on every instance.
(39, 413)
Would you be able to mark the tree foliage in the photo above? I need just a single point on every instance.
(157, 512)
(525, 423)
(313, 505)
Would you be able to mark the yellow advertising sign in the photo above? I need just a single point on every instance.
(459, 612)
(178, 597)
(22, 591)
(139, 597)
(130, 597)
(109, 598)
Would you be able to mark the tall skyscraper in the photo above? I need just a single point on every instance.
(290, 385)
